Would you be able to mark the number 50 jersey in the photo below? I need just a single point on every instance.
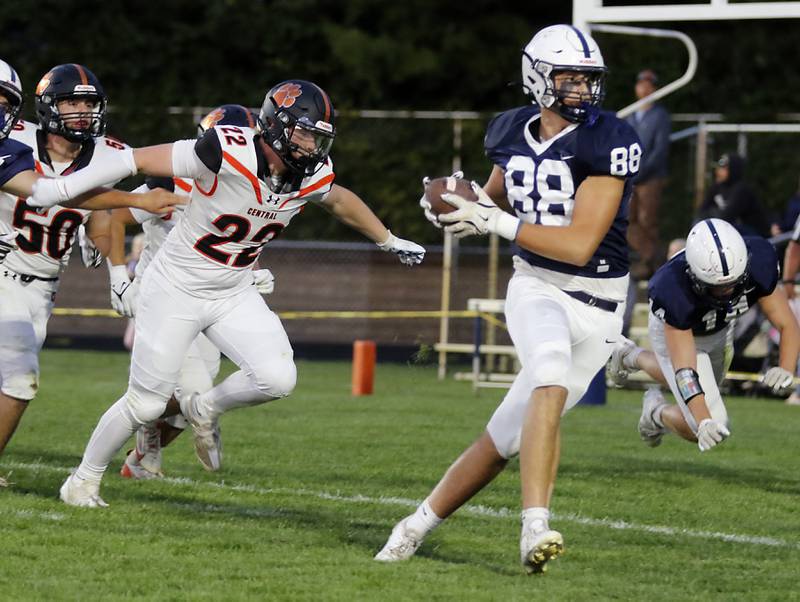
(45, 238)
(232, 213)
(542, 178)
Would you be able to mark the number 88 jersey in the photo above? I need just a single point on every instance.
(232, 214)
(542, 178)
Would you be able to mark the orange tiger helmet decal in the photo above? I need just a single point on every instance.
(287, 94)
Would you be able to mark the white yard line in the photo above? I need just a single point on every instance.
(471, 509)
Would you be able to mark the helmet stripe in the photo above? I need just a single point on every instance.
(249, 116)
(586, 52)
(327, 104)
(81, 73)
(13, 74)
(715, 236)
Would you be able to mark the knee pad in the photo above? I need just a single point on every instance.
(549, 364)
(19, 362)
(145, 405)
(277, 379)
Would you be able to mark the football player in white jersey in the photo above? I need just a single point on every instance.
(565, 169)
(248, 184)
(202, 362)
(35, 247)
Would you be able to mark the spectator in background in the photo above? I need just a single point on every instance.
(652, 123)
(732, 199)
(790, 215)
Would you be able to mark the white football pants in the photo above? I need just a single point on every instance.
(559, 341)
(714, 355)
(25, 308)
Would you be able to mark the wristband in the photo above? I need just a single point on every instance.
(688, 382)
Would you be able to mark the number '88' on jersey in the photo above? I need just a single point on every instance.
(542, 178)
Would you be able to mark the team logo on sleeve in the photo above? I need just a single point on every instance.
(287, 94)
(212, 119)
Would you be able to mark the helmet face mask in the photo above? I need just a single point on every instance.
(11, 96)
(297, 122)
(718, 262)
(564, 50)
(71, 82)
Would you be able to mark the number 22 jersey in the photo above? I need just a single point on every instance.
(232, 213)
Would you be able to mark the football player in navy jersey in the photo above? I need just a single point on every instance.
(695, 299)
(564, 167)
(24, 303)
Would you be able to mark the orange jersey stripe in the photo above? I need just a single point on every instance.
(246, 173)
(182, 185)
(304, 191)
(39, 167)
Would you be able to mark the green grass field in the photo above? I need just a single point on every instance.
(313, 484)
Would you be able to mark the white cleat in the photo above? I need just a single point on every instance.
(649, 431)
(617, 371)
(538, 547)
(401, 545)
(207, 436)
(148, 447)
(82, 493)
(132, 468)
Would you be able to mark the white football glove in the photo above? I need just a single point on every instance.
(778, 380)
(264, 281)
(123, 291)
(710, 433)
(409, 253)
(426, 204)
(90, 255)
(479, 217)
(8, 243)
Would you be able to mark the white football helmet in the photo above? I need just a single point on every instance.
(718, 261)
(563, 48)
(11, 88)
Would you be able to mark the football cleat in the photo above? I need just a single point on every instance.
(401, 545)
(148, 448)
(133, 469)
(617, 371)
(207, 436)
(82, 493)
(649, 431)
(538, 547)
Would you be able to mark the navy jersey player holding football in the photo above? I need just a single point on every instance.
(695, 299)
(34, 247)
(248, 183)
(564, 167)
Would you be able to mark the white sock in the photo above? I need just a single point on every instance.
(424, 520)
(110, 434)
(236, 391)
(657, 415)
(630, 360)
(535, 518)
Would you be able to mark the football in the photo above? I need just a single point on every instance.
(435, 188)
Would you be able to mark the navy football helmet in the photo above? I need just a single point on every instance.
(297, 121)
(71, 81)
